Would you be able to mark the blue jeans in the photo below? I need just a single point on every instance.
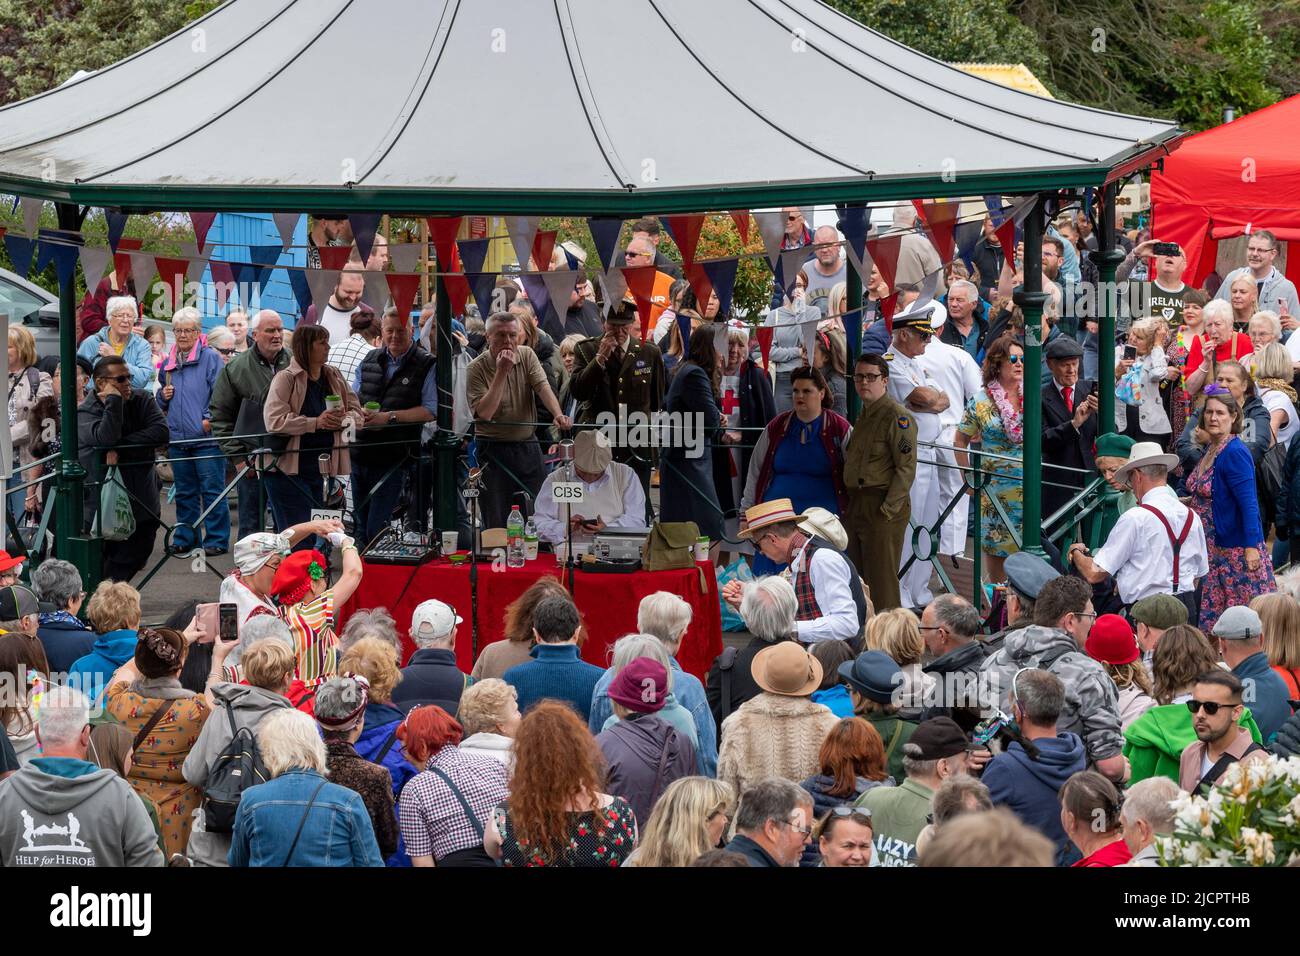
(372, 508)
(292, 498)
(199, 483)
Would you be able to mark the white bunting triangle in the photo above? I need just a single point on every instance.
(287, 224)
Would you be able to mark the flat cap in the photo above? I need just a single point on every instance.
(1161, 611)
(1238, 624)
(1064, 347)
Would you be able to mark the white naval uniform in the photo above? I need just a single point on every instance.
(616, 498)
(906, 374)
(958, 377)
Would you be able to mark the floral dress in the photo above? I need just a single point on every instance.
(156, 765)
(1229, 582)
(983, 422)
(610, 845)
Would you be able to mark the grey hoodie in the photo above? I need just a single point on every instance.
(58, 811)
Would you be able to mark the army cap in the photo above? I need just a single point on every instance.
(1028, 573)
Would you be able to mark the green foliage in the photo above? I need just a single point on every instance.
(1226, 64)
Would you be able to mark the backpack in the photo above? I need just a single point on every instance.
(670, 545)
(238, 767)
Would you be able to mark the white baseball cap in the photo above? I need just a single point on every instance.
(434, 618)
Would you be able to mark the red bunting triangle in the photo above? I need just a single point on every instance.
(686, 233)
(884, 253)
(224, 278)
(442, 230)
(764, 335)
(741, 218)
(403, 287)
(887, 307)
(641, 283)
(202, 222)
(702, 287)
(122, 260)
(940, 221)
(173, 273)
(334, 257)
(1006, 234)
(543, 247)
(457, 292)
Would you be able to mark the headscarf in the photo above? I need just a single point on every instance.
(341, 702)
(253, 551)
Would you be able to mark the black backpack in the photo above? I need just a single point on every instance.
(238, 767)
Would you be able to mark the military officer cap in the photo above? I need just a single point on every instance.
(1064, 347)
(622, 314)
(916, 321)
(1028, 573)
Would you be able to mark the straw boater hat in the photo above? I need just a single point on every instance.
(768, 513)
(1142, 454)
(826, 526)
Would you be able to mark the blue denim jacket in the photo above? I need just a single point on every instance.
(689, 692)
(338, 833)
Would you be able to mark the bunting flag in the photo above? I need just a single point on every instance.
(940, 219)
(741, 218)
(543, 247)
(286, 223)
(250, 279)
(483, 286)
(808, 334)
(853, 334)
(887, 307)
(21, 251)
(771, 226)
(722, 277)
(791, 264)
(173, 274)
(301, 289)
(116, 222)
(31, 214)
(473, 253)
(683, 329)
(884, 255)
(559, 289)
(320, 284)
(223, 278)
(685, 230)
(59, 248)
(929, 287)
(967, 236)
(700, 285)
(142, 272)
(522, 230)
(406, 256)
(264, 258)
(641, 280)
(614, 286)
(334, 258)
(94, 260)
(403, 286)
(198, 261)
(764, 335)
(605, 231)
(442, 231)
(364, 225)
(376, 291)
(720, 335)
(855, 223)
(535, 289)
(1008, 222)
(457, 287)
(202, 222)
(122, 259)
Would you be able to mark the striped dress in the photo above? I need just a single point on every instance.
(315, 645)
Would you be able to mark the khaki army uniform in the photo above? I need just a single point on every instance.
(879, 467)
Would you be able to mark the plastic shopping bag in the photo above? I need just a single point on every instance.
(116, 519)
(737, 570)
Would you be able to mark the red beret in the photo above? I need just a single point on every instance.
(1110, 641)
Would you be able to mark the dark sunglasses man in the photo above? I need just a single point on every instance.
(1221, 741)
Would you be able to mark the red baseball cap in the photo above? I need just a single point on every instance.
(8, 563)
(1111, 641)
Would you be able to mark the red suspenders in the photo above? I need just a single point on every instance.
(1175, 543)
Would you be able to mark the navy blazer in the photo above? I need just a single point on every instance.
(1235, 501)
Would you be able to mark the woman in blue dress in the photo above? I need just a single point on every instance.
(800, 455)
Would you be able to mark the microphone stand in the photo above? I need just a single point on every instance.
(566, 454)
(471, 494)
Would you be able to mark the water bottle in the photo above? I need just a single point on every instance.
(530, 540)
(515, 538)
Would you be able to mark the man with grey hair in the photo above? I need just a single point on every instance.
(768, 608)
(773, 823)
(665, 616)
(967, 323)
(1147, 813)
(502, 386)
(431, 675)
(187, 377)
(950, 627)
(826, 269)
(374, 622)
(62, 810)
(1155, 548)
(236, 409)
(65, 637)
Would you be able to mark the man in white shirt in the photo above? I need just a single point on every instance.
(611, 494)
(913, 387)
(957, 376)
(1140, 552)
(343, 302)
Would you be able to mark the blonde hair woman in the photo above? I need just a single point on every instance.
(377, 661)
(1272, 373)
(897, 632)
(1151, 422)
(1280, 615)
(489, 716)
(26, 384)
(690, 819)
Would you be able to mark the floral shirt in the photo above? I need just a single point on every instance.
(610, 844)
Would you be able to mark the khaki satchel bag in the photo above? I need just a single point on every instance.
(670, 546)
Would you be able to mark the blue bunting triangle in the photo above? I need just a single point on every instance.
(605, 231)
(58, 247)
(255, 274)
(20, 251)
(116, 226)
(535, 288)
(855, 224)
(482, 285)
(364, 225)
(967, 236)
(473, 253)
(722, 276)
(301, 290)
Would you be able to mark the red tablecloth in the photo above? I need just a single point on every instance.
(608, 603)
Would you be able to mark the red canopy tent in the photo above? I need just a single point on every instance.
(1230, 181)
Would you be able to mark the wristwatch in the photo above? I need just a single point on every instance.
(392, 418)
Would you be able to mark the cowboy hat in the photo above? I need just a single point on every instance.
(1142, 454)
(825, 525)
(785, 668)
(767, 513)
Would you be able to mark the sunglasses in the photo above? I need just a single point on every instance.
(921, 333)
(1211, 707)
(792, 218)
(226, 351)
(1016, 359)
(851, 812)
(118, 379)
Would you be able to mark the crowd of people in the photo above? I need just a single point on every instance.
(866, 722)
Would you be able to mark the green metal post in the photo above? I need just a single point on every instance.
(853, 289)
(70, 543)
(445, 443)
(1030, 299)
(1108, 257)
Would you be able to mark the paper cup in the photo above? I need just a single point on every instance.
(449, 541)
(333, 402)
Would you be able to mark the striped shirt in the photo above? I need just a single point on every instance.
(433, 821)
(315, 645)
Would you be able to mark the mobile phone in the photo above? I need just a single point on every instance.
(1167, 249)
(1130, 352)
(228, 626)
(1093, 391)
(208, 618)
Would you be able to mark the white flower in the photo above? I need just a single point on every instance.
(1193, 853)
